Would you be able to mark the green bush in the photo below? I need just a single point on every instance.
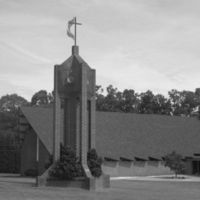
(9, 161)
(94, 163)
(68, 167)
(175, 162)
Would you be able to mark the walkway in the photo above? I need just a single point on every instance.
(17, 188)
(166, 178)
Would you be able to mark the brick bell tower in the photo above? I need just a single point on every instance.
(74, 107)
(74, 112)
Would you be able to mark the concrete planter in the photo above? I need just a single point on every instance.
(75, 183)
(99, 183)
(89, 183)
(82, 182)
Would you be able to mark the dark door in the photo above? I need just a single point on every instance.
(196, 167)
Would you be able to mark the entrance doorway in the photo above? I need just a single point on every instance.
(196, 167)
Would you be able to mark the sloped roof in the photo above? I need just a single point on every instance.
(145, 135)
(41, 120)
(129, 135)
(76, 58)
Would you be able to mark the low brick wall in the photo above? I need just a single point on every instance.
(135, 168)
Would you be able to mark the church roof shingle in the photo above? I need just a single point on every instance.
(128, 135)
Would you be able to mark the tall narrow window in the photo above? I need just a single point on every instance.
(89, 123)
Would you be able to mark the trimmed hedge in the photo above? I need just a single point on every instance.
(9, 147)
(68, 167)
(94, 163)
(10, 161)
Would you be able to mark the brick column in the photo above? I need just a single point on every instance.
(56, 118)
(83, 121)
(93, 114)
(67, 121)
(78, 136)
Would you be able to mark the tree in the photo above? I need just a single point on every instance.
(180, 103)
(9, 135)
(175, 162)
(11, 103)
(161, 105)
(100, 98)
(146, 102)
(129, 101)
(189, 102)
(42, 98)
(109, 102)
(8, 121)
(183, 102)
(197, 100)
(112, 99)
(176, 100)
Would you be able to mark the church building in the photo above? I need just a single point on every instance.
(129, 144)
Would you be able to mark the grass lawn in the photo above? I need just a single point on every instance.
(120, 189)
(151, 190)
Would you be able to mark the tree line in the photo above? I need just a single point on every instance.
(179, 103)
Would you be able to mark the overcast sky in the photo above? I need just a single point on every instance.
(136, 44)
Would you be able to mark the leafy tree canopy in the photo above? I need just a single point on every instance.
(11, 103)
(42, 97)
(180, 103)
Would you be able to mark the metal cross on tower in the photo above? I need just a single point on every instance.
(69, 33)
